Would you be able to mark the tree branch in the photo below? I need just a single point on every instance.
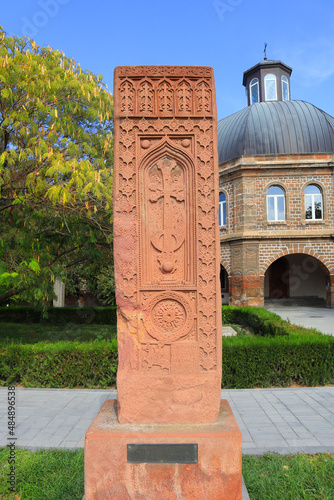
(6, 207)
(66, 253)
(78, 261)
(9, 294)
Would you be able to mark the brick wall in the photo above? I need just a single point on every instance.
(323, 251)
(245, 182)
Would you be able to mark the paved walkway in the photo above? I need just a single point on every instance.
(311, 317)
(282, 420)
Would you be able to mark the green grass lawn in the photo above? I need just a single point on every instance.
(44, 474)
(292, 477)
(41, 332)
(59, 475)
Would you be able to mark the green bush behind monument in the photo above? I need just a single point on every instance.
(59, 315)
(279, 354)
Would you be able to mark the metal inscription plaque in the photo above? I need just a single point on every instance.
(185, 453)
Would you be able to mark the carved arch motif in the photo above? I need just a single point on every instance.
(203, 98)
(184, 96)
(146, 97)
(167, 226)
(165, 98)
(127, 97)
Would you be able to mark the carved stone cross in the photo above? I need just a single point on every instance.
(166, 245)
(170, 238)
(168, 436)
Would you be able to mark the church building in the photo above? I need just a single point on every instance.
(276, 204)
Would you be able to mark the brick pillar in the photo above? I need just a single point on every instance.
(330, 292)
(246, 284)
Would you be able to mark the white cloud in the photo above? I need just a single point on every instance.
(313, 61)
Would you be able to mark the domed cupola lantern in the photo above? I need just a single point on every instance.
(267, 81)
(276, 161)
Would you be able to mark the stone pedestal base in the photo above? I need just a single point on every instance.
(109, 474)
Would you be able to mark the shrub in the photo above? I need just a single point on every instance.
(60, 315)
(262, 322)
(280, 361)
(283, 354)
(62, 364)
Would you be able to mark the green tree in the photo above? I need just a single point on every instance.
(55, 168)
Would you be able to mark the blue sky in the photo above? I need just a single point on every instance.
(228, 35)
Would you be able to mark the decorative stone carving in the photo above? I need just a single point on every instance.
(203, 97)
(184, 98)
(171, 317)
(165, 98)
(166, 244)
(127, 97)
(146, 97)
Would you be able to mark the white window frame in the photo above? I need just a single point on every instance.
(222, 208)
(276, 196)
(267, 78)
(284, 80)
(313, 202)
(253, 83)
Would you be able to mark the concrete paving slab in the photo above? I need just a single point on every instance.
(282, 420)
(310, 317)
(228, 331)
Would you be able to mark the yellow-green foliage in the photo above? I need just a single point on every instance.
(55, 168)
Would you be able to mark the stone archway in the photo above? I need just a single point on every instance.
(279, 279)
(298, 279)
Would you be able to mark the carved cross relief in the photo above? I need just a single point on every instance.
(166, 183)
(166, 214)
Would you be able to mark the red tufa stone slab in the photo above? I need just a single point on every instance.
(216, 476)
(166, 244)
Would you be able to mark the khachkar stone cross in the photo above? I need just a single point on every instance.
(168, 436)
(166, 245)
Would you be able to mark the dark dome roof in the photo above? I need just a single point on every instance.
(276, 127)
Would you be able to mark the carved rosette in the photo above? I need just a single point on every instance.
(166, 243)
(170, 317)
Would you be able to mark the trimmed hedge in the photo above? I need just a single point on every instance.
(263, 323)
(280, 354)
(283, 354)
(279, 362)
(63, 364)
(247, 362)
(60, 315)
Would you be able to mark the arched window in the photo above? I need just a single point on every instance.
(254, 91)
(285, 89)
(270, 87)
(222, 210)
(275, 203)
(313, 202)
